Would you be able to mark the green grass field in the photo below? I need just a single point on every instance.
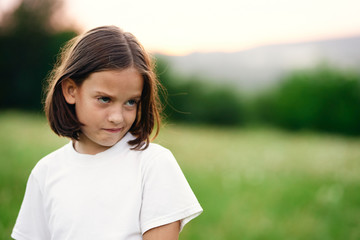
(253, 183)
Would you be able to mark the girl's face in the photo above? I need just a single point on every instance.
(106, 104)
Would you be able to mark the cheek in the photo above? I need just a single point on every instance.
(131, 116)
(85, 111)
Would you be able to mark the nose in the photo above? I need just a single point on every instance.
(116, 116)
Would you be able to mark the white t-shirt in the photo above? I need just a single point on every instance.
(116, 194)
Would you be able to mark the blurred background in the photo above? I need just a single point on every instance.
(262, 109)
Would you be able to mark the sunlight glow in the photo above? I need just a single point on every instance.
(181, 27)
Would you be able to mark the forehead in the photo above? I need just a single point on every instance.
(115, 82)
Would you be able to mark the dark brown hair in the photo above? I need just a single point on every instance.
(101, 49)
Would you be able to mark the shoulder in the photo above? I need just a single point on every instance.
(155, 152)
(50, 161)
(157, 157)
(156, 149)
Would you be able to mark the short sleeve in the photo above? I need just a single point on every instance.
(31, 223)
(167, 196)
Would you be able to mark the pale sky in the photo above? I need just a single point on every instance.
(185, 26)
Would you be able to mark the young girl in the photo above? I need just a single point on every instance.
(109, 181)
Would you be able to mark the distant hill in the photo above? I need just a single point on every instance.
(262, 66)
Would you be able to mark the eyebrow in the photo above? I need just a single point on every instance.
(99, 93)
(109, 95)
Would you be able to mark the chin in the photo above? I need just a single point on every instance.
(110, 143)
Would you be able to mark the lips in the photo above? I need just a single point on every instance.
(113, 130)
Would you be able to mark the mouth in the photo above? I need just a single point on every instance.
(113, 130)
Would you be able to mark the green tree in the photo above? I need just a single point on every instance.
(325, 99)
(29, 41)
(196, 100)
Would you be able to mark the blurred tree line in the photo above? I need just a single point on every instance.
(323, 98)
(29, 40)
(194, 100)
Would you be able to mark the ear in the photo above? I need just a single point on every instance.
(69, 89)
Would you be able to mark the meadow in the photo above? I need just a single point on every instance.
(253, 183)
